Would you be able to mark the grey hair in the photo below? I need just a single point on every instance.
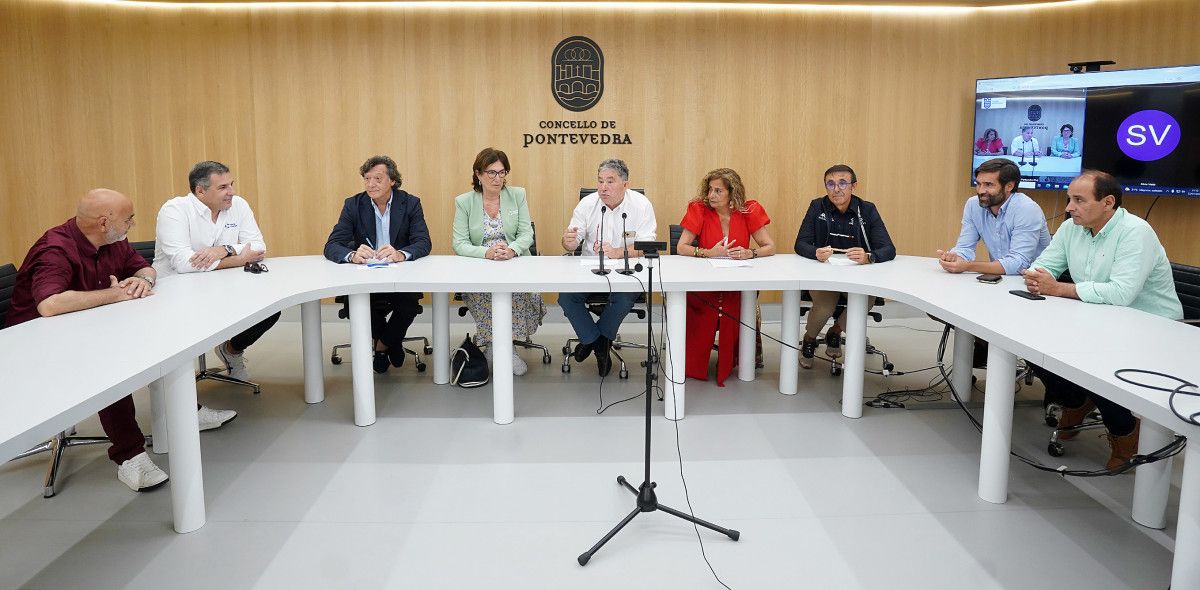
(201, 174)
(616, 165)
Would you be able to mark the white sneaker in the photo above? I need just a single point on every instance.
(210, 418)
(235, 363)
(519, 366)
(141, 474)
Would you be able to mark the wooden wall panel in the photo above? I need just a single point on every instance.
(294, 98)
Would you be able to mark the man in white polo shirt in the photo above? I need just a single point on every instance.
(208, 229)
(614, 194)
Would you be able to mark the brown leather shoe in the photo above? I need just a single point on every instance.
(1123, 447)
(1072, 417)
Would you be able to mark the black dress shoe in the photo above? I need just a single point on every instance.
(380, 362)
(396, 355)
(603, 359)
(582, 351)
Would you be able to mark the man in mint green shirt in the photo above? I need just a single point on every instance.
(1114, 258)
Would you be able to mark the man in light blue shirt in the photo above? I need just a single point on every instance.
(1010, 224)
(1114, 258)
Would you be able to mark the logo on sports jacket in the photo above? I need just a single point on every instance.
(577, 73)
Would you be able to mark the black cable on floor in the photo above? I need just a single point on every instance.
(678, 447)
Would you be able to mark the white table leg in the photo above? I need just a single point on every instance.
(314, 370)
(183, 428)
(789, 332)
(362, 352)
(502, 349)
(997, 425)
(1185, 571)
(441, 338)
(158, 417)
(1152, 481)
(674, 363)
(964, 359)
(856, 352)
(746, 336)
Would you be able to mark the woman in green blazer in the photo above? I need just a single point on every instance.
(493, 222)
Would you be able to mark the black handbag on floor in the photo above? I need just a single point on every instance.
(469, 366)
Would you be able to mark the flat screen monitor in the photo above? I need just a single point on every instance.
(1142, 126)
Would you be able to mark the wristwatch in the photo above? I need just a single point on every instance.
(229, 251)
(870, 257)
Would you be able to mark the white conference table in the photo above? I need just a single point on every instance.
(65, 368)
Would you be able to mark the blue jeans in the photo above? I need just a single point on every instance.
(574, 305)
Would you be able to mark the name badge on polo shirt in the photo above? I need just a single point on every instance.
(230, 225)
(630, 234)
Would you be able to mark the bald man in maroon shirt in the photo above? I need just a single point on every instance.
(87, 262)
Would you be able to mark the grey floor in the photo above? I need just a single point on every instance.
(434, 495)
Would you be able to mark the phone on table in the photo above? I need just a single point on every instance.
(1026, 294)
(989, 279)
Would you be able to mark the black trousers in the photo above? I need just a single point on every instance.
(1117, 419)
(252, 334)
(391, 315)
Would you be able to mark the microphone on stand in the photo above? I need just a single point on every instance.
(627, 271)
(1023, 151)
(600, 241)
(1033, 164)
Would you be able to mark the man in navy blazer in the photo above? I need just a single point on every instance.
(382, 224)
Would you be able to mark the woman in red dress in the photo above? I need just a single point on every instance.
(722, 222)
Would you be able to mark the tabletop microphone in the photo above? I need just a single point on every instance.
(1033, 164)
(627, 271)
(600, 243)
(1023, 151)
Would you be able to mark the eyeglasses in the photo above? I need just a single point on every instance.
(495, 173)
(842, 184)
(255, 267)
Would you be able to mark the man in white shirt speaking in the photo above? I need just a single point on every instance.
(209, 229)
(628, 217)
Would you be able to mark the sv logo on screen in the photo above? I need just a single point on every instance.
(1148, 135)
(577, 73)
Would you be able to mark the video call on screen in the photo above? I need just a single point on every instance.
(1143, 126)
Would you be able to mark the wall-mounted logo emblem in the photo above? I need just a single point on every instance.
(1148, 135)
(1034, 112)
(577, 73)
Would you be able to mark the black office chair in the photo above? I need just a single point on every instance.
(527, 343)
(344, 313)
(596, 303)
(835, 365)
(146, 249)
(63, 440)
(1187, 288)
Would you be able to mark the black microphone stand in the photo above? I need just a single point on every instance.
(600, 241)
(624, 232)
(647, 501)
(1033, 164)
